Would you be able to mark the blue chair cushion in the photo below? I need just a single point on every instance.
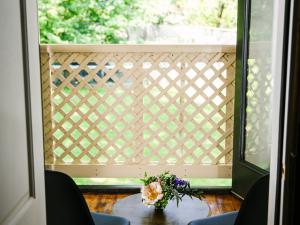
(104, 219)
(224, 219)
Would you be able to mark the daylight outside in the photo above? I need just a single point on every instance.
(134, 86)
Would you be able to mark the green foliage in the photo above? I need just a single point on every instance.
(85, 21)
(214, 13)
(172, 188)
(107, 21)
(147, 180)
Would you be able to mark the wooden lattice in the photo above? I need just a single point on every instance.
(138, 105)
(47, 108)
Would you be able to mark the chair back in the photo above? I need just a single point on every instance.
(254, 208)
(65, 204)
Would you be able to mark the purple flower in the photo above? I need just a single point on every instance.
(180, 182)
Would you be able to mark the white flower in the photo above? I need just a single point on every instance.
(151, 193)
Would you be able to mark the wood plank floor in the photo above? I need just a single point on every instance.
(218, 203)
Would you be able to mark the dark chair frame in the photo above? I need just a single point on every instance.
(253, 211)
(66, 205)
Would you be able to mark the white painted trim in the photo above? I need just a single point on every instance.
(277, 57)
(286, 109)
(19, 211)
(117, 171)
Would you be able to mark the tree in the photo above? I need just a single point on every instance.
(86, 21)
(107, 21)
(214, 13)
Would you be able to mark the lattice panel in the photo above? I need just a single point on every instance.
(47, 108)
(142, 108)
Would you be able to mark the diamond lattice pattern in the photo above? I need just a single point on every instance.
(142, 108)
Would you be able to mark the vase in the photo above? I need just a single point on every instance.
(158, 208)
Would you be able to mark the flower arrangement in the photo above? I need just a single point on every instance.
(158, 190)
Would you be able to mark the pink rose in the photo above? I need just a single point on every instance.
(151, 193)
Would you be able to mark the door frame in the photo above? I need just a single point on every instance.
(283, 198)
(24, 33)
(30, 208)
(244, 174)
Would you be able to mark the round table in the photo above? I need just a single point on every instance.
(133, 209)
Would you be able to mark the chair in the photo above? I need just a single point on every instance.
(66, 205)
(253, 211)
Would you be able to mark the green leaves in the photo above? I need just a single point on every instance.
(108, 21)
(214, 13)
(147, 180)
(172, 188)
(85, 21)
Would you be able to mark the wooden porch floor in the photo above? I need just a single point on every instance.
(218, 203)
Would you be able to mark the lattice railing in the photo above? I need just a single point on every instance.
(119, 110)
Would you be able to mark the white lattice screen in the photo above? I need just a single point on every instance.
(121, 110)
